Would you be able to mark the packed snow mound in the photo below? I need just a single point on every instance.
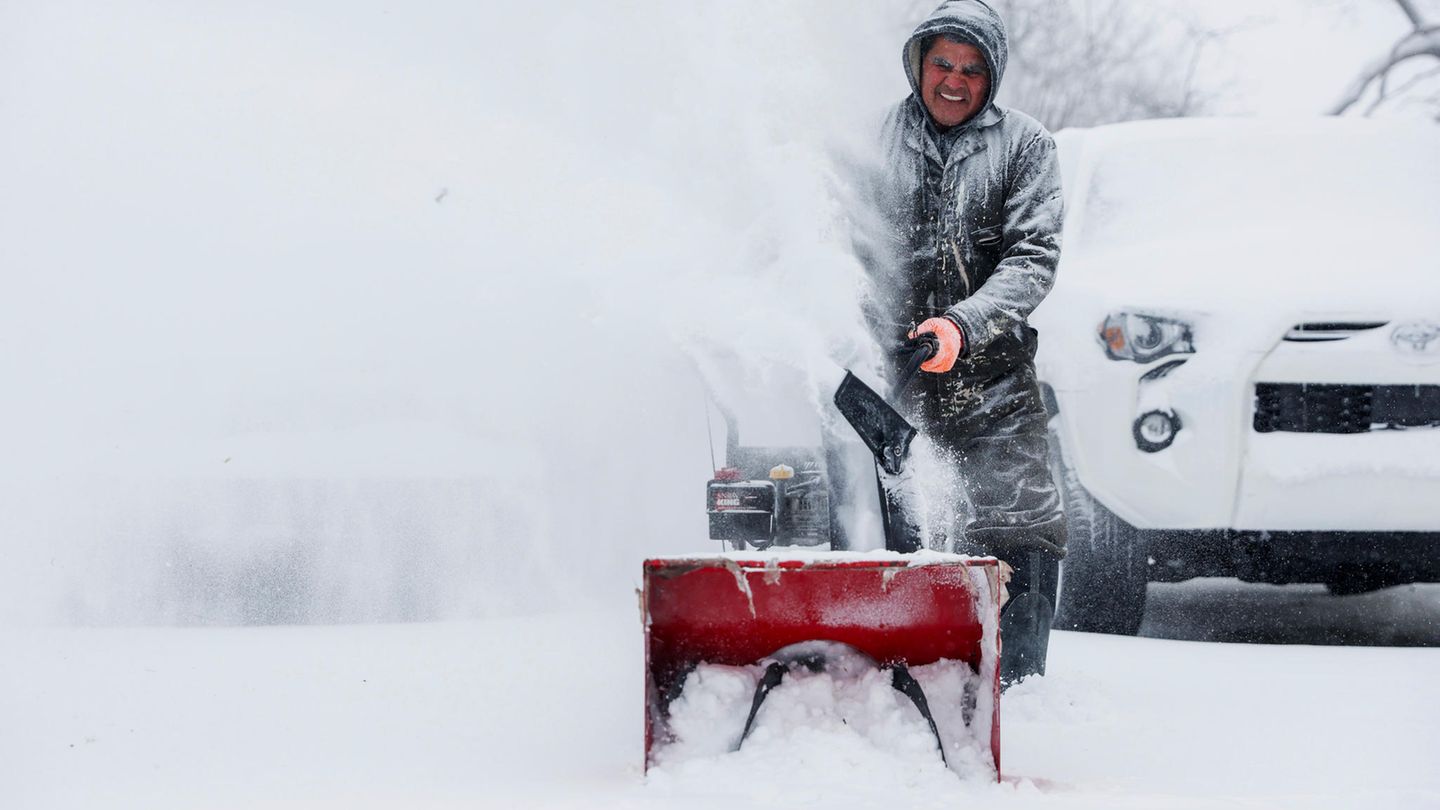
(846, 722)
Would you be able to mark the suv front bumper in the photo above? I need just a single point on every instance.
(1375, 559)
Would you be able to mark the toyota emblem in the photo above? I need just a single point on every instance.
(1417, 340)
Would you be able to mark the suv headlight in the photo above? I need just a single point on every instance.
(1142, 338)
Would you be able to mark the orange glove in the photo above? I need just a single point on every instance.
(952, 342)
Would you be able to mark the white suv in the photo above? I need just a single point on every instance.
(1242, 357)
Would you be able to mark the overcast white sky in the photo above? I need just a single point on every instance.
(1294, 56)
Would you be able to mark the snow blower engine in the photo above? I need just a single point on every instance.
(754, 503)
(782, 496)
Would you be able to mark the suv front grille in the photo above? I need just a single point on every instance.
(1324, 331)
(1330, 408)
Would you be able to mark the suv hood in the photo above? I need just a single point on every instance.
(1263, 274)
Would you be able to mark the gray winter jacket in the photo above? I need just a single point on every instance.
(975, 233)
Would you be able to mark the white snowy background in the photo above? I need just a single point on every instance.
(353, 359)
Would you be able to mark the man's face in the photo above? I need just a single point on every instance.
(954, 81)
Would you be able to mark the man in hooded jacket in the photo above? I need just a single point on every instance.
(971, 194)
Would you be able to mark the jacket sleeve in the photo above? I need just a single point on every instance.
(1033, 215)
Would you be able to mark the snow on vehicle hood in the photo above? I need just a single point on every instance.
(1241, 294)
(1257, 276)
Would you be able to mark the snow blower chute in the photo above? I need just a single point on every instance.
(780, 613)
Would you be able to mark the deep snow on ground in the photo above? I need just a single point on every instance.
(546, 712)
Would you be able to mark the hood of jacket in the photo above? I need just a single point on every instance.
(970, 21)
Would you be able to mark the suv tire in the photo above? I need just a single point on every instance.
(1103, 576)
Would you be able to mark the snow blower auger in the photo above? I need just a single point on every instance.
(791, 613)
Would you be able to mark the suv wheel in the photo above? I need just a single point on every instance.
(1103, 576)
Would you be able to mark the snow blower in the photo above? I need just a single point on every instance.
(783, 613)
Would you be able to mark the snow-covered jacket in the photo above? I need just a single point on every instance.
(975, 234)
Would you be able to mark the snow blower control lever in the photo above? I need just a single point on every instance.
(915, 351)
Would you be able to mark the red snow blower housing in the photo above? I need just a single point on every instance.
(737, 611)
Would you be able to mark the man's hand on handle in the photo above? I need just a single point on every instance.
(952, 343)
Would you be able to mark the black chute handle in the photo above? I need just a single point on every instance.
(920, 348)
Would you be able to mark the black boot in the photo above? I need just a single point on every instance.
(1025, 619)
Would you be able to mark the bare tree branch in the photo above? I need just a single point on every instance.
(1089, 62)
(1408, 7)
(1423, 42)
